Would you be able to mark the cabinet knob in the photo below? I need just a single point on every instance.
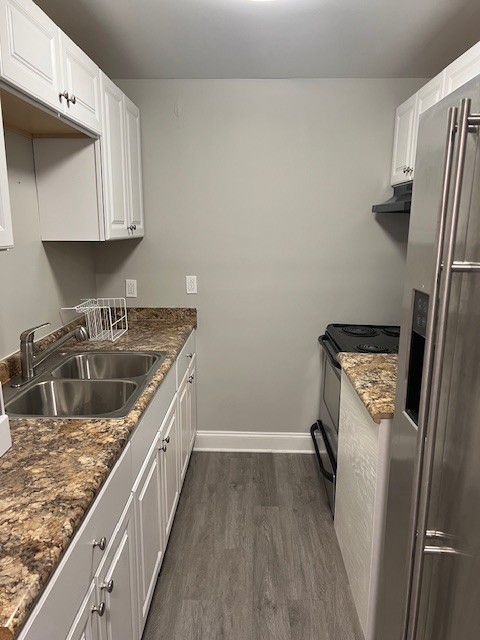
(63, 94)
(100, 609)
(72, 99)
(167, 439)
(163, 447)
(190, 378)
(404, 169)
(108, 586)
(189, 355)
(132, 227)
(101, 544)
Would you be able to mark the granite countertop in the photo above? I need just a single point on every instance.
(56, 467)
(374, 378)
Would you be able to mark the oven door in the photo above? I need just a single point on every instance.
(331, 387)
(326, 458)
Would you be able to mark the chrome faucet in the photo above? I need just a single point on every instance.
(27, 348)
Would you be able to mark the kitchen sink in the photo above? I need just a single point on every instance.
(107, 365)
(72, 398)
(87, 384)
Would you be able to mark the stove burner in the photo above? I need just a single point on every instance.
(366, 332)
(371, 348)
(392, 331)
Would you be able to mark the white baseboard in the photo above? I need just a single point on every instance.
(253, 441)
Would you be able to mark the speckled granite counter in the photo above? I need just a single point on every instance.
(55, 468)
(374, 378)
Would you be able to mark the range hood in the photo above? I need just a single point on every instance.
(400, 201)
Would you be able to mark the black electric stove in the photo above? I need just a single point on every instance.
(363, 338)
(352, 338)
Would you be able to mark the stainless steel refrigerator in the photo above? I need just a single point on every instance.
(431, 563)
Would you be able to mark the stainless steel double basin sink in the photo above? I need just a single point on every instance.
(89, 384)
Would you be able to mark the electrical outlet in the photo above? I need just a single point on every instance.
(191, 284)
(130, 288)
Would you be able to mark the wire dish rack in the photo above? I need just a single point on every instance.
(106, 318)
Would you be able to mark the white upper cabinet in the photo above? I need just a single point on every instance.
(134, 167)
(403, 142)
(6, 235)
(80, 91)
(41, 61)
(462, 70)
(114, 165)
(408, 114)
(121, 162)
(29, 45)
(427, 96)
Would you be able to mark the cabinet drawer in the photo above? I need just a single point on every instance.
(146, 431)
(54, 613)
(185, 357)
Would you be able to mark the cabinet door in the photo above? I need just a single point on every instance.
(85, 626)
(113, 161)
(427, 96)
(117, 582)
(6, 235)
(184, 413)
(403, 140)
(192, 387)
(81, 79)
(149, 529)
(29, 45)
(134, 168)
(462, 70)
(169, 452)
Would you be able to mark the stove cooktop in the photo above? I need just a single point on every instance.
(364, 338)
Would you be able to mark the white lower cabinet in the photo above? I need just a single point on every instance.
(103, 586)
(117, 584)
(184, 411)
(86, 624)
(169, 447)
(149, 517)
(360, 502)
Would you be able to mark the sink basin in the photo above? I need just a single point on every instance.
(74, 398)
(107, 365)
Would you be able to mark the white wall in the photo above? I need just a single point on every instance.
(263, 189)
(37, 279)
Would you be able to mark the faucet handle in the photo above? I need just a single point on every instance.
(27, 335)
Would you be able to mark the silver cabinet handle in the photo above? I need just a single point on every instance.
(100, 609)
(101, 544)
(190, 379)
(189, 355)
(167, 439)
(64, 94)
(108, 586)
(132, 227)
(72, 99)
(163, 447)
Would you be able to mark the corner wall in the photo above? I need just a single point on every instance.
(263, 189)
(37, 278)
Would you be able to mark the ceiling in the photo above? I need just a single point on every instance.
(276, 39)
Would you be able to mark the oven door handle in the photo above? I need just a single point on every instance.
(318, 426)
(325, 342)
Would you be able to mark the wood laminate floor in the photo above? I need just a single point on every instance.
(252, 555)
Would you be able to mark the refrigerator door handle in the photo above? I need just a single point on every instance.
(446, 551)
(465, 267)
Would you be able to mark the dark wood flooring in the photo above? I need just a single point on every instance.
(252, 555)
